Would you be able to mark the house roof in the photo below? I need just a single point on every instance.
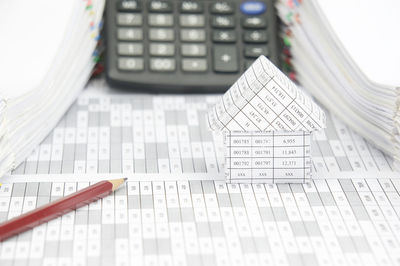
(264, 99)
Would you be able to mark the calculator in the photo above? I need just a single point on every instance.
(186, 46)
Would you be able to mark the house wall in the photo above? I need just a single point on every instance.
(267, 157)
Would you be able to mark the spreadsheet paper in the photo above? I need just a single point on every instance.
(177, 209)
(267, 157)
(266, 121)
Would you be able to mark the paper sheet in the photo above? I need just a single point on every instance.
(267, 157)
(112, 133)
(264, 99)
(198, 222)
(266, 121)
(184, 212)
(357, 85)
(31, 107)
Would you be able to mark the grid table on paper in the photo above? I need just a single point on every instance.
(347, 214)
(267, 157)
(168, 134)
(325, 222)
(264, 99)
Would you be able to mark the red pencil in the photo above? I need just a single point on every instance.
(57, 208)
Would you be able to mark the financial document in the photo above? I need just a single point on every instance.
(264, 99)
(267, 122)
(112, 133)
(177, 209)
(267, 157)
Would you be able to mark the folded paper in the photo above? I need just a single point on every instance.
(267, 123)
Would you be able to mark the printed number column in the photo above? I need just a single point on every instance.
(289, 157)
(307, 156)
(262, 157)
(238, 161)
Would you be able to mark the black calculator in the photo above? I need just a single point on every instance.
(186, 46)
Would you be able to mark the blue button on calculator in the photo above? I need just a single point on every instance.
(253, 7)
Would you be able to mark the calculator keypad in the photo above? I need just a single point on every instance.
(160, 6)
(126, 19)
(193, 35)
(193, 50)
(194, 65)
(224, 36)
(130, 64)
(223, 7)
(225, 58)
(255, 36)
(129, 6)
(191, 7)
(162, 64)
(162, 49)
(258, 22)
(213, 37)
(131, 49)
(192, 21)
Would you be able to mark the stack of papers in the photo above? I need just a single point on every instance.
(46, 58)
(346, 54)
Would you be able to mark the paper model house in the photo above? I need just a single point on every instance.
(267, 123)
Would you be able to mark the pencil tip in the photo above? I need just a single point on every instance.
(117, 182)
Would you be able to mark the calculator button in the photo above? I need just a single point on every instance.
(222, 8)
(130, 64)
(255, 36)
(162, 64)
(162, 49)
(161, 20)
(127, 34)
(227, 36)
(223, 22)
(253, 7)
(160, 6)
(125, 19)
(255, 51)
(225, 58)
(129, 5)
(254, 22)
(191, 7)
(194, 65)
(192, 20)
(161, 35)
(130, 49)
(193, 50)
(193, 35)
